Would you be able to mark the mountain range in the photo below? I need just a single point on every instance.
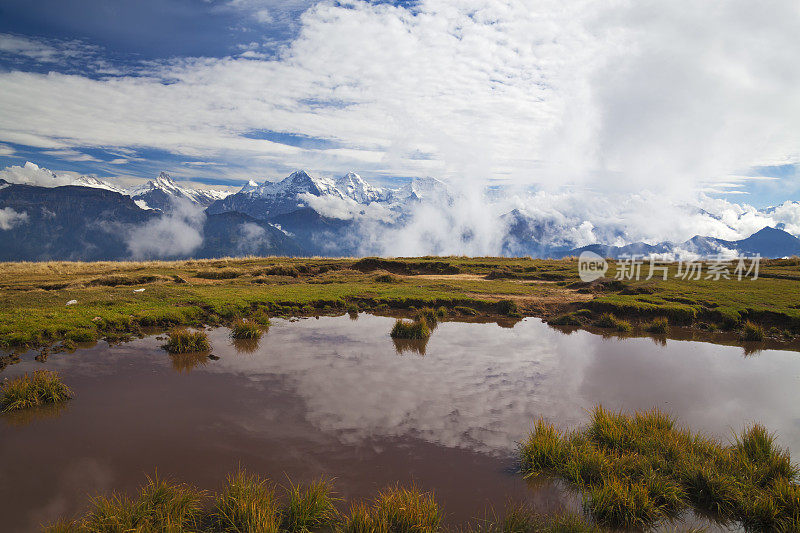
(85, 218)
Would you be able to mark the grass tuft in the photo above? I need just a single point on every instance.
(245, 329)
(247, 503)
(181, 340)
(508, 307)
(403, 329)
(752, 332)
(396, 510)
(310, 508)
(659, 326)
(160, 506)
(43, 387)
(609, 321)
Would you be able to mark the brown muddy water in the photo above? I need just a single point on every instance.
(334, 396)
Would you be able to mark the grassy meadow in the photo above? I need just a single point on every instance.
(114, 300)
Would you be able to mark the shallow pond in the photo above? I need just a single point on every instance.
(337, 397)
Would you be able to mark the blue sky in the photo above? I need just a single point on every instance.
(541, 95)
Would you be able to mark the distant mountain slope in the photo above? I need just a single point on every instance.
(70, 222)
(92, 224)
(767, 242)
(319, 235)
(236, 234)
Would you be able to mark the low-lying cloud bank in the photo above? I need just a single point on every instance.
(174, 234)
(483, 224)
(10, 218)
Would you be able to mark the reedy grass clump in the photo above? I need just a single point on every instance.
(310, 508)
(609, 321)
(41, 388)
(182, 340)
(637, 470)
(431, 315)
(245, 329)
(752, 332)
(418, 329)
(247, 503)
(659, 326)
(160, 506)
(396, 510)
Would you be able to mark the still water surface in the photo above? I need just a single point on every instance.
(336, 397)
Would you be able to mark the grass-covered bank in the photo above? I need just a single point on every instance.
(638, 470)
(249, 503)
(114, 300)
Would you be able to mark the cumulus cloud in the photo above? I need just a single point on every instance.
(176, 234)
(10, 218)
(33, 174)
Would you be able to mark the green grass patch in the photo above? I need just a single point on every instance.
(43, 387)
(638, 470)
(181, 340)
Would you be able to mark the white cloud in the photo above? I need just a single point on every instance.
(176, 234)
(52, 51)
(67, 154)
(32, 174)
(251, 238)
(10, 218)
(623, 95)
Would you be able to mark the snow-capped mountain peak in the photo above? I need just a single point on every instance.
(354, 187)
(296, 183)
(161, 192)
(428, 189)
(249, 187)
(95, 183)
